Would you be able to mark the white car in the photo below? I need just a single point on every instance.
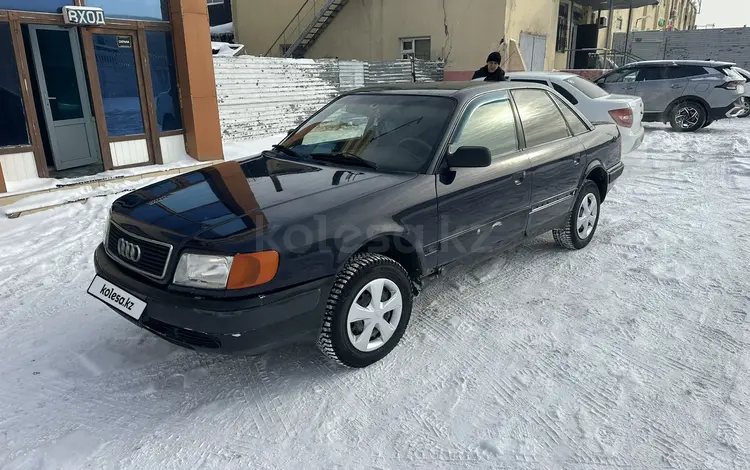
(596, 104)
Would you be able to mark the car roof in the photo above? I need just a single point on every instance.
(700, 63)
(542, 75)
(460, 90)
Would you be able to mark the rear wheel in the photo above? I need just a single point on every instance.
(367, 311)
(583, 220)
(687, 116)
(745, 107)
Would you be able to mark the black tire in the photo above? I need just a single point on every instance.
(746, 112)
(569, 237)
(689, 107)
(356, 275)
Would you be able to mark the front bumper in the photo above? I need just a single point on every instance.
(251, 325)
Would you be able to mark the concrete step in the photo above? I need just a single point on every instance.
(17, 205)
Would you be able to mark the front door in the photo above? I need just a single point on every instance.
(62, 86)
(481, 208)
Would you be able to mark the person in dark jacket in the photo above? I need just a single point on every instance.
(492, 71)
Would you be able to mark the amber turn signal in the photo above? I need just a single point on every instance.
(253, 269)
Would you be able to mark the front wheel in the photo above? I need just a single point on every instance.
(367, 311)
(687, 116)
(583, 220)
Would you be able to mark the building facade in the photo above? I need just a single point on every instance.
(94, 85)
(667, 15)
(541, 32)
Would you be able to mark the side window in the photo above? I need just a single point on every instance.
(540, 118)
(685, 71)
(566, 94)
(655, 73)
(529, 80)
(490, 125)
(622, 76)
(575, 123)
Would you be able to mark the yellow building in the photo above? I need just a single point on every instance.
(668, 15)
(531, 34)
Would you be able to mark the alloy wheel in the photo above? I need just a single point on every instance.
(687, 117)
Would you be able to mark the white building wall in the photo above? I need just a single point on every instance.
(130, 152)
(19, 166)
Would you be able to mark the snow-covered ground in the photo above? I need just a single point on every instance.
(632, 353)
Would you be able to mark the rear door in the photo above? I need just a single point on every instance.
(556, 156)
(659, 85)
(480, 207)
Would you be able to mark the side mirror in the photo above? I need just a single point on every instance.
(289, 132)
(470, 157)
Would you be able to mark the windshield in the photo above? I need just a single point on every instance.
(393, 132)
(586, 87)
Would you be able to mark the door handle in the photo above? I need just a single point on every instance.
(519, 177)
(629, 87)
(51, 97)
(676, 86)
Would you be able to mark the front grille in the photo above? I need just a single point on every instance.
(154, 255)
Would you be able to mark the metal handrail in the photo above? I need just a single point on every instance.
(311, 10)
(608, 58)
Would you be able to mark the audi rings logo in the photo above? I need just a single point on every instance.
(129, 251)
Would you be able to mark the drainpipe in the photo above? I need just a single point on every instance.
(609, 25)
(627, 32)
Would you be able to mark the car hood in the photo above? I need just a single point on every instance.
(239, 197)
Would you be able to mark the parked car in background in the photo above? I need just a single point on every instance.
(687, 94)
(596, 104)
(328, 236)
(746, 98)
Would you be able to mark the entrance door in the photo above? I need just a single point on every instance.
(70, 123)
(534, 51)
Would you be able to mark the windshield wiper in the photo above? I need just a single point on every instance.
(345, 158)
(286, 150)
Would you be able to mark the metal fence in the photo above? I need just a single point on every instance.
(259, 96)
(724, 44)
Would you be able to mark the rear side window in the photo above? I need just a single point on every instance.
(490, 125)
(566, 94)
(540, 118)
(575, 123)
(685, 71)
(586, 87)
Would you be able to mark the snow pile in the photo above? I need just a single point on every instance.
(226, 28)
(632, 353)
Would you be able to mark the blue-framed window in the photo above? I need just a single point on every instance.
(155, 10)
(115, 62)
(45, 6)
(164, 80)
(12, 116)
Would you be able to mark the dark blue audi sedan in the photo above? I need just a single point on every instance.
(328, 236)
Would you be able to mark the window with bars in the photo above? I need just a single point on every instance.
(562, 27)
(419, 48)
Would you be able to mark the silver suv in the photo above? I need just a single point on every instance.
(688, 94)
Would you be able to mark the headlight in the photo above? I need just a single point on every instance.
(206, 271)
(226, 272)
